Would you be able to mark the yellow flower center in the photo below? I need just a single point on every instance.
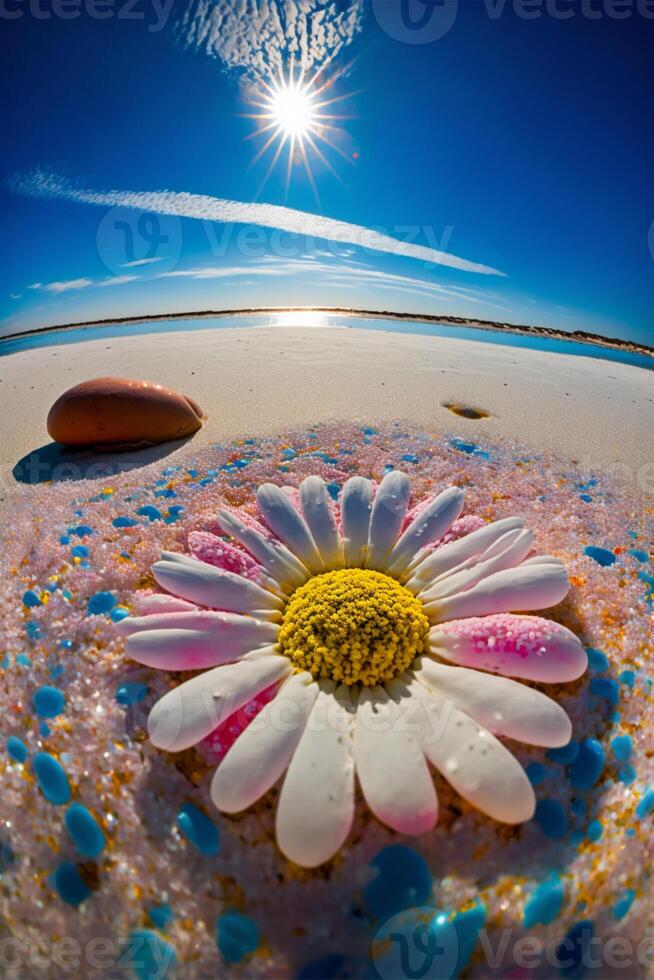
(353, 626)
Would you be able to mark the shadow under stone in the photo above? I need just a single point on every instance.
(56, 463)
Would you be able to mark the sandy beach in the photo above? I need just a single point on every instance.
(283, 404)
(262, 380)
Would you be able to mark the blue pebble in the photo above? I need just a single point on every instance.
(587, 767)
(118, 614)
(586, 497)
(594, 830)
(597, 660)
(80, 551)
(627, 774)
(573, 953)
(33, 630)
(131, 693)
(467, 925)
(622, 746)
(237, 936)
(160, 915)
(16, 749)
(198, 829)
(403, 882)
(566, 754)
(464, 447)
(65, 644)
(330, 967)
(23, 660)
(536, 773)
(369, 431)
(49, 702)
(333, 489)
(624, 903)
(288, 454)
(602, 556)
(149, 955)
(551, 818)
(605, 688)
(645, 804)
(85, 830)
(64, 539)
(544, 903)
(70, 885)
(82, 531)
(44, 730)
(410, 458)
(638, 554)
(100, 603)
(52, 779)
(627, 677)
(150, 512)
(31, 599)
(124, 522)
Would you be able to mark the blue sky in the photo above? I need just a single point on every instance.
(521, 147)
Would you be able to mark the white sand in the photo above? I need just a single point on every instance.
(258, 380)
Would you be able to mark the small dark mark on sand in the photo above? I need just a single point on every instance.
(466, 411)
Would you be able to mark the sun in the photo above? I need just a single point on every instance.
(292, 109)
(295, 115)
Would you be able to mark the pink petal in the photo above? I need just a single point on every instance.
(216, 744)
(462, 526)
(216, 551)
(530, 647)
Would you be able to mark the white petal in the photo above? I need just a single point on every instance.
(430, 525)
(316, 804)
(502, 706)
(288, 524)
(262, 753)
(391, 767)
(197, 619)
(188, 561)
(319, 515)
(388, 512)
(356, 506)
(438, 561)
(513, 590)
(202, 646)
(507, 552)
(159, 602)
(473, 761)
(283, 566)
(191, 711)
(209, 586)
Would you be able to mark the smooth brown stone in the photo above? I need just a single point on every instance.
(122, 413)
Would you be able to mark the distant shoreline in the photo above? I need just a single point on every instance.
(576, 336)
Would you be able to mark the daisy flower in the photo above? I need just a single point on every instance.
(389, 643)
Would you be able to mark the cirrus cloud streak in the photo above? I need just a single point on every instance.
(43, 184)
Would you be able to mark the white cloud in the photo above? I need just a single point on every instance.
(61, 286)
(115, 281)
(82, 283)
(261, 37)
(39, 183)
(138, 262)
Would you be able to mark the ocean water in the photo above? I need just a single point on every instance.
(310, 318)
